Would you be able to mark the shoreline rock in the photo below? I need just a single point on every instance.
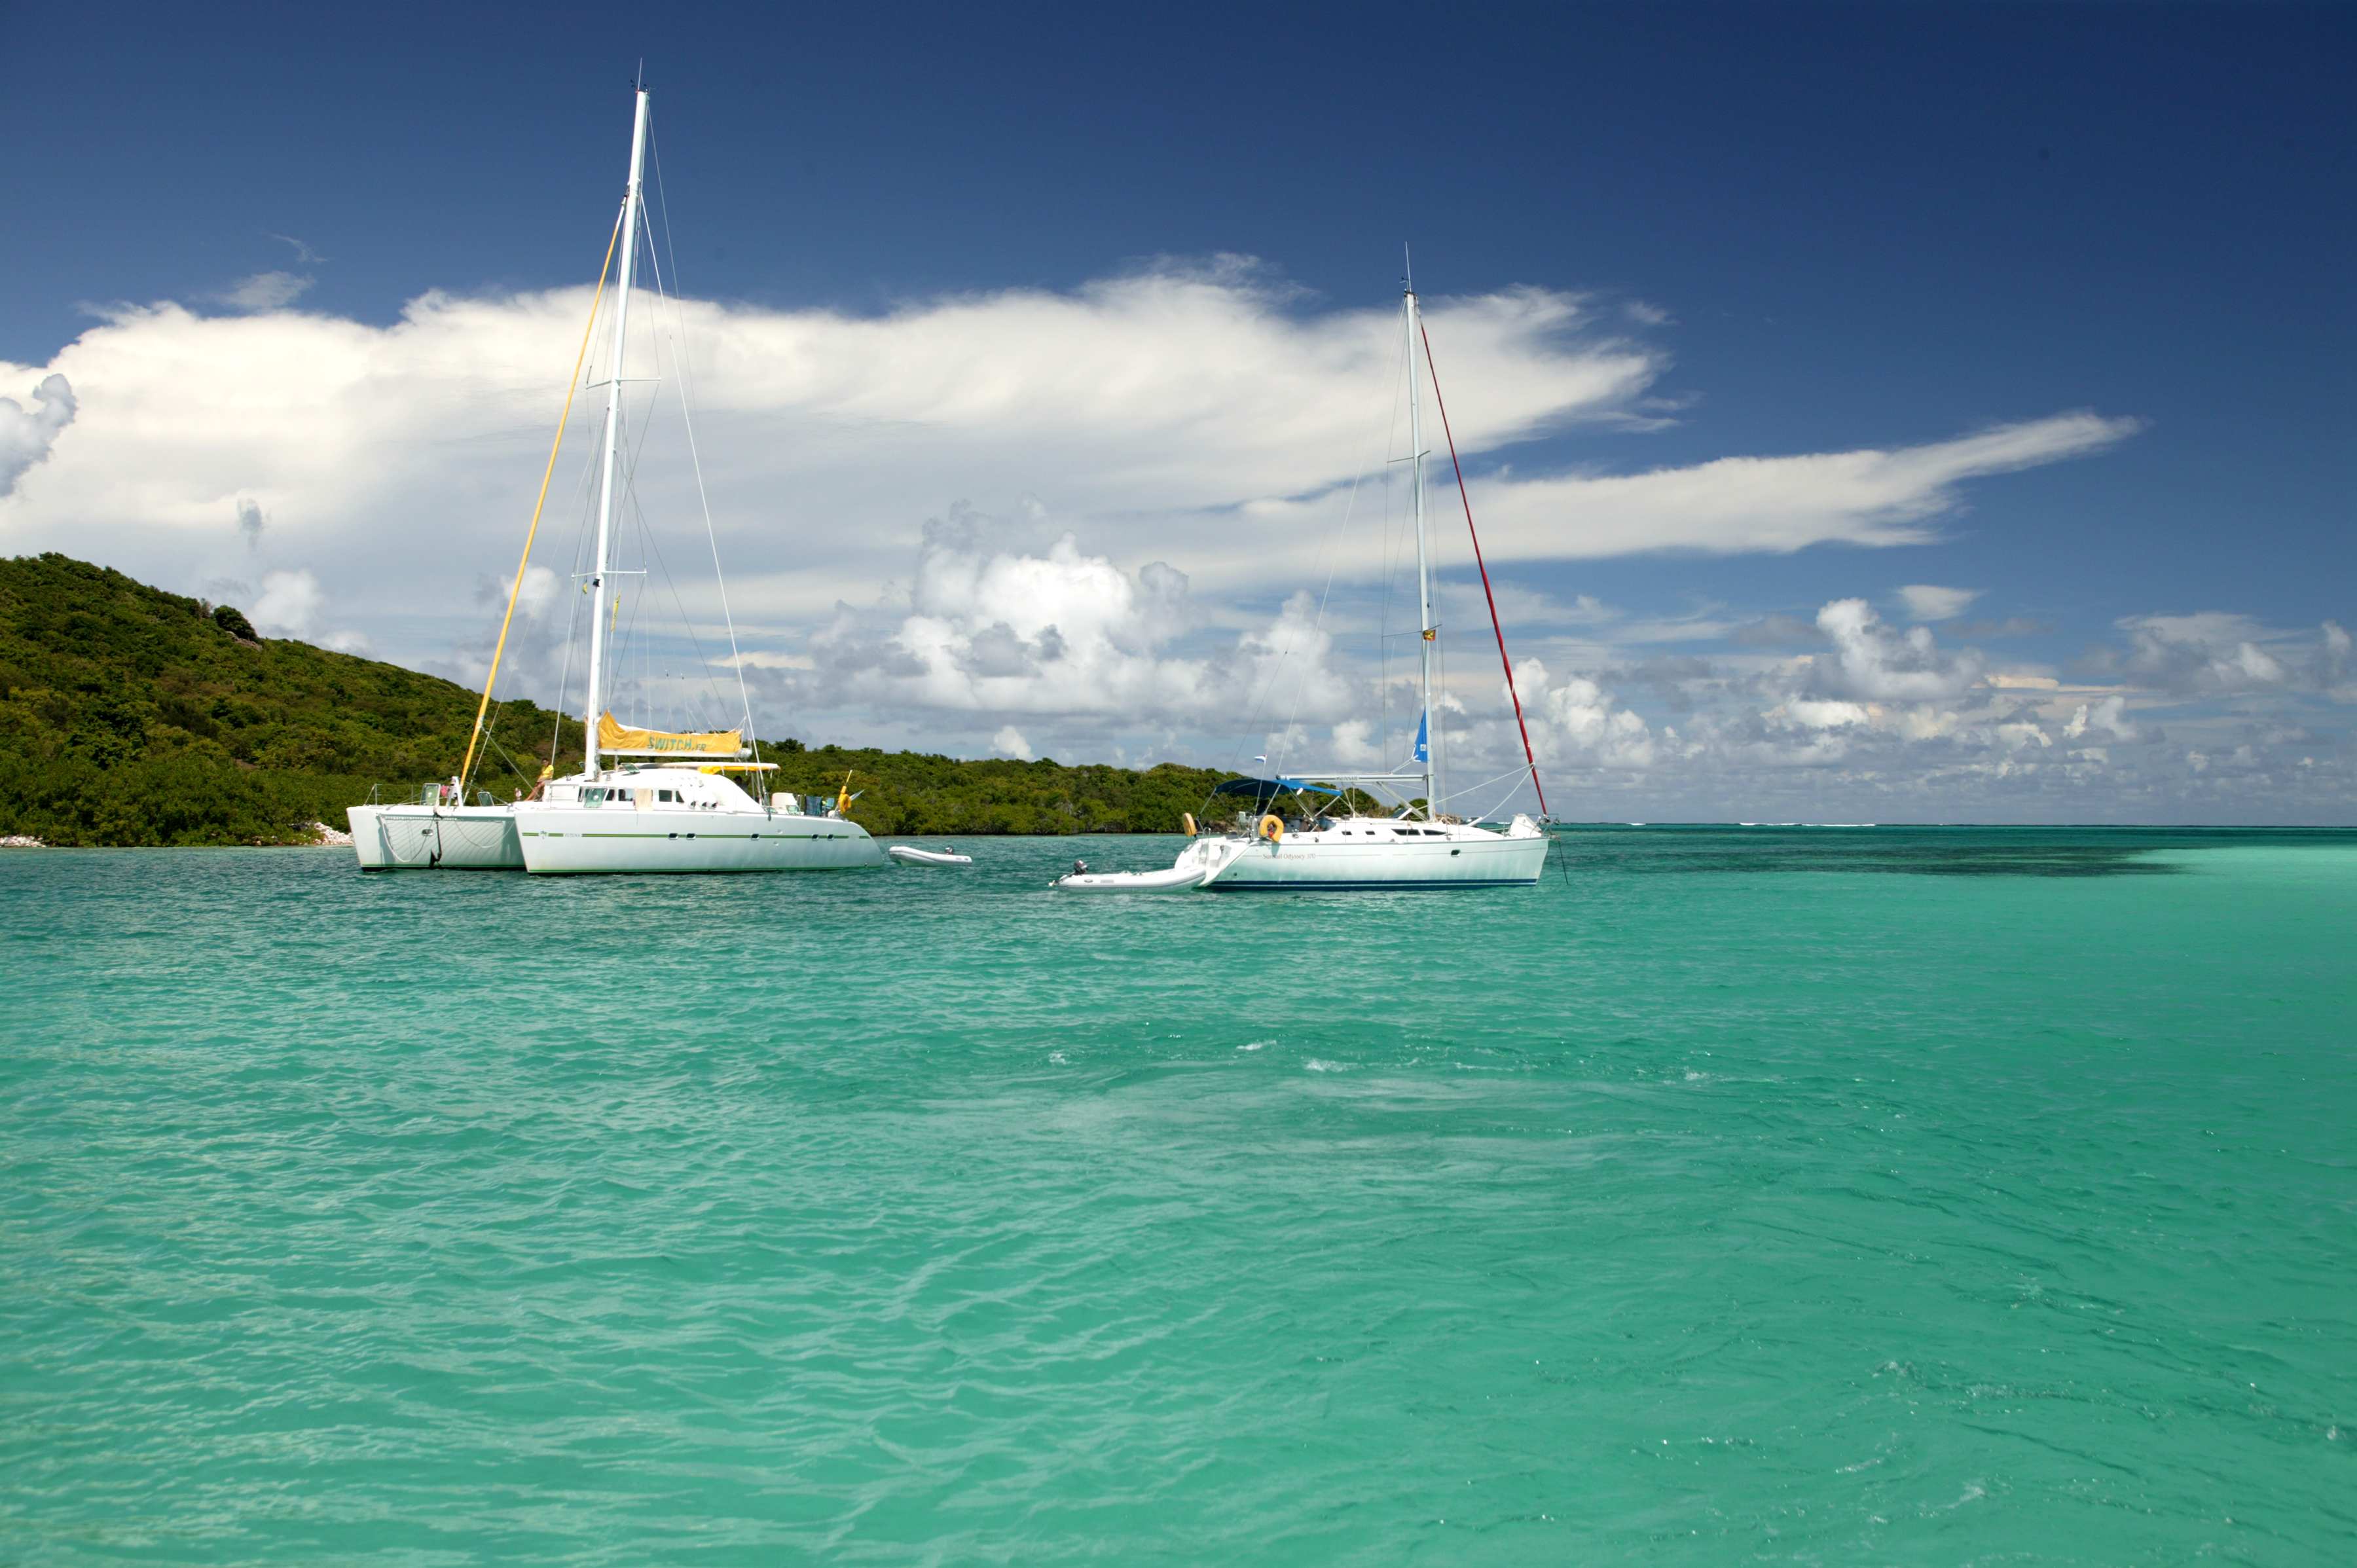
(331, 838)
(24, 841)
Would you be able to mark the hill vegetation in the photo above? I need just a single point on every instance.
(129, 716)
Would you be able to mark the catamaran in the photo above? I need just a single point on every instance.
(435, 832)
(645, 800)
(1328, 846)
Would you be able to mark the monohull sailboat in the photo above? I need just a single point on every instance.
(645, 800)
(1328, 845)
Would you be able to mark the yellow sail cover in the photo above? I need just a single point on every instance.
(612, 737)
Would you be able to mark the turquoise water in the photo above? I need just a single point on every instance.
(1892, 1196)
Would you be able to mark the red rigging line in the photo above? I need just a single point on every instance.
(1507, 664)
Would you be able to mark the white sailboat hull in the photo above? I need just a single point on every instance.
(432, 838)
(561, 841)
(1375, 861)
(1353, 854)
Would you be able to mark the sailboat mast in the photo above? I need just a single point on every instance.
(1429, 632)
(607, 486)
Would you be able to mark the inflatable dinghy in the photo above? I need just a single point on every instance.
(915, 856)
(1175, 879)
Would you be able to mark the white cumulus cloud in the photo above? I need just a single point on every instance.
(1875, 661)
(289, 605)
(1203, 417)
(2104, 716)
(293, 604)
(1574, 720)
(2215, 652)
(26, 434)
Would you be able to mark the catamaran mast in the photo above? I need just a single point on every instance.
(630, 241)
(1427, 630)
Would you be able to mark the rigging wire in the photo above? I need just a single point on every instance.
(686, 367)
(1494, 625)
(653, 548)
(632, 451)
(587, 502)
(635, 530)
(500, 650)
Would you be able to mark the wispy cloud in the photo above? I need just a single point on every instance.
(263, 291)
(1925, 602)
(1995, 631)
(1778, 630)
(1739, 505)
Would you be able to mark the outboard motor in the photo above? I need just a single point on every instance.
(1080, 869)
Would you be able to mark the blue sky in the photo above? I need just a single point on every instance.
(1830, 229)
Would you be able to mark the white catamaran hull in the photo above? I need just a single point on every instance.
(444, 838)
(574, 841)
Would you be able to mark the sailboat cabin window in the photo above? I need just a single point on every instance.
(670, 795)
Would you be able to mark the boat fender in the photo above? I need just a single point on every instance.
(1272, 828)
(1187, 819)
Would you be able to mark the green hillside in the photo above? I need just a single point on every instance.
(129, 716)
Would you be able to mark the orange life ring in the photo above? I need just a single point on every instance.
(1272, 828)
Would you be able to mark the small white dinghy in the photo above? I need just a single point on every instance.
(914, 856)
(1177, 879)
